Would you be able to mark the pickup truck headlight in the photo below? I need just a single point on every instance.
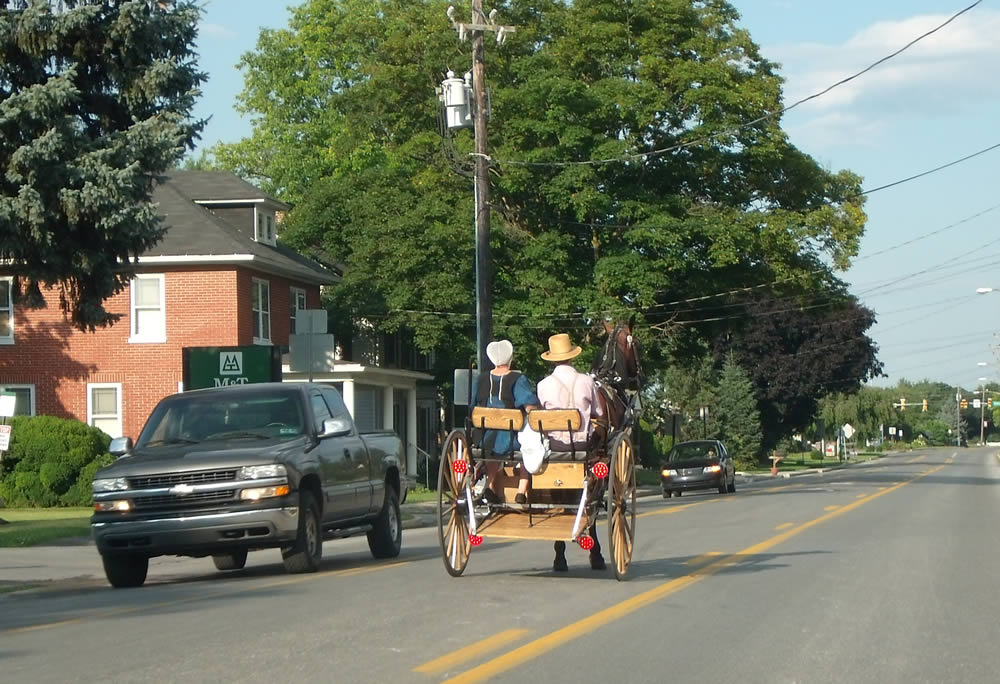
(258, 493)
(110, 484)
(261, 472)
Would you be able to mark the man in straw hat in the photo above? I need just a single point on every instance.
(567, 388)
(502, 388)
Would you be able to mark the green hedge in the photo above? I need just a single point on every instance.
(51, 462)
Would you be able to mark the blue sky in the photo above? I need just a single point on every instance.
(936, 102)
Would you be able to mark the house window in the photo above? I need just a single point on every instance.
(24, 398)
(264, 231)
(149, 321)
(261, 312)
(298, 303)
(104, 407)
(6, 311)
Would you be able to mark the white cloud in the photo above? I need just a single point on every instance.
(948, 72)
(215, 31)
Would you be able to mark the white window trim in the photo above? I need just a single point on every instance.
(256, 282)
(294, 293)
(143, 339)
(91, 386)
(9, 339)
(261, 234)
(31, 394)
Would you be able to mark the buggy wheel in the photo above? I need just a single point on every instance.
(453, 506)
(621, 504)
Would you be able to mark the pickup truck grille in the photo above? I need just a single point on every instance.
(193, 499)
(171, 479)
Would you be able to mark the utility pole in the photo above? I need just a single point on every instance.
(480, 24)
(958, 418)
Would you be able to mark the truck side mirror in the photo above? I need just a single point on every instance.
(120, 446)
(336, 427)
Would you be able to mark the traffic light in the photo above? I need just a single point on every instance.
(965, 403)
(902, 403)
(924, 409)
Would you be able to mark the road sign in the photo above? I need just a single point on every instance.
(848, 430)
(5, 431)
(975, 403)
(892, 431)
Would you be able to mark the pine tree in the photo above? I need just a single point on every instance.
(737, 413)
(95, 104)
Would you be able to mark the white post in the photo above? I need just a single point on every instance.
(349, 396)
(411, 431)
(387, 397)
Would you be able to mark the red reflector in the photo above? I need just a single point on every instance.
(475, 539)
(459, 466)
(600, 470)
(586, 542)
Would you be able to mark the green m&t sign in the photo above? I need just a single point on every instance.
(223, 366)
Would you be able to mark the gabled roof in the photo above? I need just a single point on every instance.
(219, 186)
(197, 236)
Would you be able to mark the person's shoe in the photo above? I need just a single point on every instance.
(520, 498)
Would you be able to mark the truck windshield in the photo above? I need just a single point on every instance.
(194, 419)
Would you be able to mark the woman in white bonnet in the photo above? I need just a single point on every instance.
(503, 388)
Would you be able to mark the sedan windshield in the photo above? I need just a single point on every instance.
(697, 451)
(194, 419)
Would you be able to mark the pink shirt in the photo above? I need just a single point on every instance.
(567, 388)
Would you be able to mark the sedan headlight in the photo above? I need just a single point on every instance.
(712, 469)
(262, 472)
(669, 472)
(110, 484)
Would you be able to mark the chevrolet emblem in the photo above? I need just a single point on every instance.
(182, 488)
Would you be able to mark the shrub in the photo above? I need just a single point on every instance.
(51, 462)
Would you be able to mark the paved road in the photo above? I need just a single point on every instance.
(878, 573)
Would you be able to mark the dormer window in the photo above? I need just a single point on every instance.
(264, 231)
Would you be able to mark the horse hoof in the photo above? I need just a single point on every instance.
(559, 564)
(597, 563)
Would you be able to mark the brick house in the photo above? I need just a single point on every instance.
(218, 277)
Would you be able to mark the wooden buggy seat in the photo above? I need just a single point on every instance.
(541, 420)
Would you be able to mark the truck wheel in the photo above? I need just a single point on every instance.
(386, 536)
(305, 554)
(125, 571)
(230, 561)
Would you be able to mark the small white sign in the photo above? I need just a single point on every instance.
(892, 431)
(5, 431)
(230, 363)
(975, 403)
(848, 430)
(310, 322)
(7, 403)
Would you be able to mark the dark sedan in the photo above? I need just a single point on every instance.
(700, 464)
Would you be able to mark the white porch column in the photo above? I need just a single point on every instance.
(349, 396)
(411, 431)
(387, 396)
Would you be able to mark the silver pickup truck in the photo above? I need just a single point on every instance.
(220, 472)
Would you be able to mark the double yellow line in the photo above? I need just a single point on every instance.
(553, 640)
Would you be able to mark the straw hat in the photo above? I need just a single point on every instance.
(561, 349)
(500, 352)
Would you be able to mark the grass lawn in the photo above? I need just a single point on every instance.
(421, 494)
(33, 526)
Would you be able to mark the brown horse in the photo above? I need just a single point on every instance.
(617, 371)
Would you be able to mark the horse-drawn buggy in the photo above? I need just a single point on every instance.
(570, 487)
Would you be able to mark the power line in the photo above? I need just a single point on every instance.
(752, 122)
(927, 173)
